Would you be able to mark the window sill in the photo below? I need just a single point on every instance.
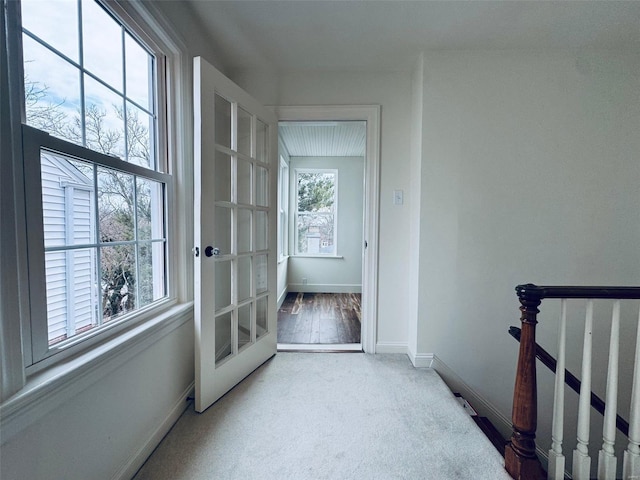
(333, 257)
(49, 388)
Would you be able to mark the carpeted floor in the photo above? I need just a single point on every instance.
(329, 416)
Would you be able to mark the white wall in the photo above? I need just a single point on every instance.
(392, 91)
(530, 173)
(333, 275)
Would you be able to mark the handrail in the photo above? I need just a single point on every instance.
(521, 461)
(532, 291)
(570, 379)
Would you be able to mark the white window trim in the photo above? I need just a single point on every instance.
(294, 217)
(27, 396)
(283, 210)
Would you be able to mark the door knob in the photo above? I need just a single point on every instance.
(211, 251)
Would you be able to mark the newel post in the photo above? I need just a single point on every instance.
(520, 455)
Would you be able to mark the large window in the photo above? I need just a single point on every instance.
(97, 185)
(316, 212)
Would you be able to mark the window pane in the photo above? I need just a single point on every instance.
(139, 68)
(104, 119)
(316, 191)
(139, 137)
(149, 209)
(316, 233)
(52, 92)
(98, 31)
(71, 293)
(115, 205)
(44, 20)
(67, 201)
(150, 272)
(117, 280)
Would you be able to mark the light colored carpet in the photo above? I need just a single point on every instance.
(329, 416)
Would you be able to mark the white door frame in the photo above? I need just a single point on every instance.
(370, 114)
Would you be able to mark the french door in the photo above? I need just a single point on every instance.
(235, 170)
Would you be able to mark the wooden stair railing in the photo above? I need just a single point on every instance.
(572, 381)
(521, 461)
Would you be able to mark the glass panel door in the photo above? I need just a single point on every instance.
(234, 180)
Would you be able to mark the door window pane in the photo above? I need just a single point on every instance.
(261, 141)
(222, 232)
(222, 191)
(223, 284)
(244, 278)
(261, 274)
(262, 317)
(262, 187)
(244, 182)
(244, 230)
(244, 326)
(244, 132)
(223, 337)
(261, 230)
(223, 121)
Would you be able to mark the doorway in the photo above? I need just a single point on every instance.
(327, 232)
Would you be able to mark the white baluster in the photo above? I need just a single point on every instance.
(606, 457)
(581, 460)
(556, 458)
(631, 467)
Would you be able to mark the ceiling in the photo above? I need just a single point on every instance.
(324, 139)
(366, 35)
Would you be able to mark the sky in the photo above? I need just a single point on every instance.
(102, 55)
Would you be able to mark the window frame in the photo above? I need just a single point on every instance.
(168, 75)
(283, 210)
(297, 253)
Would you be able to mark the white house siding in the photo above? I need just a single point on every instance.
(70, 274)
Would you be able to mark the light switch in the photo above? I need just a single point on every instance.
(398, 197)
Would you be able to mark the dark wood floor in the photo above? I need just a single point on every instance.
(313, 318)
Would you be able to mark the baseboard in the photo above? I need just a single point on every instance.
(282, 296)
(391, 347)
(130, 468)
(422, 360)
(324, 288)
